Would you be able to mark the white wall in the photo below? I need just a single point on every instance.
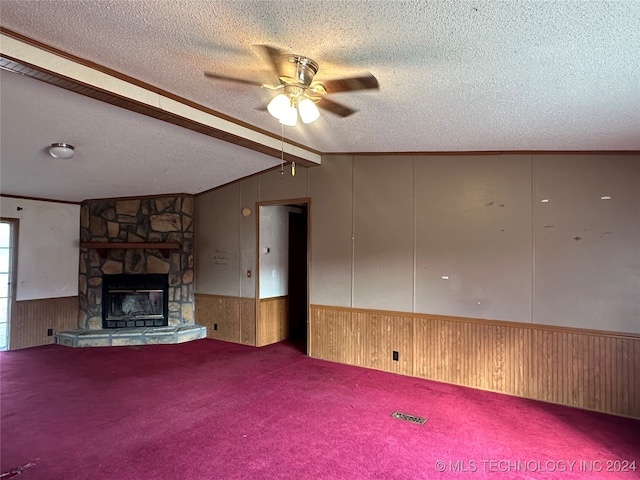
(586, 267)
(217, 242)
(473, 227)
(383, 233)
(48, 247)
(386, 229)
(222, 231)
(274, 251)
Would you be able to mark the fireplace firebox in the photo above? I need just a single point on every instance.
(130, 300)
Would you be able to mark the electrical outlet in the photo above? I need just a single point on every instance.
(49, 332)
(396, 355)
(215, 326)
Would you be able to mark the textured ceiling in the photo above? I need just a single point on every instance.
(118, 153)
(454, 75)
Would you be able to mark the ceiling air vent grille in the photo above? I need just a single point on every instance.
(15, 67)
(108, 97)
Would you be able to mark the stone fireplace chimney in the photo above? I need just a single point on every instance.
(163, 220)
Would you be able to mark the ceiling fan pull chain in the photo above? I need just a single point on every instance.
(282, 149)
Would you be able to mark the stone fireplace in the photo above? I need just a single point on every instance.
(127, 241)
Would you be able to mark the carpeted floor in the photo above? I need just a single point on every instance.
(215, 410)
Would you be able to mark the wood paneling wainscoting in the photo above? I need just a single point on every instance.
(274, 320)
(580, 368)
(30, 320)
(234, 317)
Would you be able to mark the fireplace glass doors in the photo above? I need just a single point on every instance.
(134, 300)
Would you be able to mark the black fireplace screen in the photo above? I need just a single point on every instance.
(134, 300)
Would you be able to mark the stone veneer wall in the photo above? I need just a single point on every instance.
(160, 219)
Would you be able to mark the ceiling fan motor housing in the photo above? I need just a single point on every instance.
(297, 69)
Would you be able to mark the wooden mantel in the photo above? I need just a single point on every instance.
(102, 247)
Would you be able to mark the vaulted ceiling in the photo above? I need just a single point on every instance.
(454, 76)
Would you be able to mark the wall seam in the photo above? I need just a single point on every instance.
(353, 228)
(533, 237)
(240, 270)
(413, 226)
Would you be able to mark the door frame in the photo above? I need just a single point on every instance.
(271, 203)
(13, 272)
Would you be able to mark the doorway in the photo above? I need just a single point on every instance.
(297, 279)
(7, 265)
(283, 251)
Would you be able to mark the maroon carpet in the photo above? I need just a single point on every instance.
(214, 410)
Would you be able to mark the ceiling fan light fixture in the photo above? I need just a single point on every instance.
(61, 150)
(309, 113)
(284, 109)
(289, 116)
(279, 105)
(296, 74)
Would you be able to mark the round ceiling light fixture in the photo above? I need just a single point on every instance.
(61, 150)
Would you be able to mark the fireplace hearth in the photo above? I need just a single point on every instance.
(135, 300)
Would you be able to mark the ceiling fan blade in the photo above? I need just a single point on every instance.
(335, 107)
(273, 54)
(232, 79)
(362, 82)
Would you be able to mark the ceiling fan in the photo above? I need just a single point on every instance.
(299, 93)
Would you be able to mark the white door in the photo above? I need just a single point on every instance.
(6, 255)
